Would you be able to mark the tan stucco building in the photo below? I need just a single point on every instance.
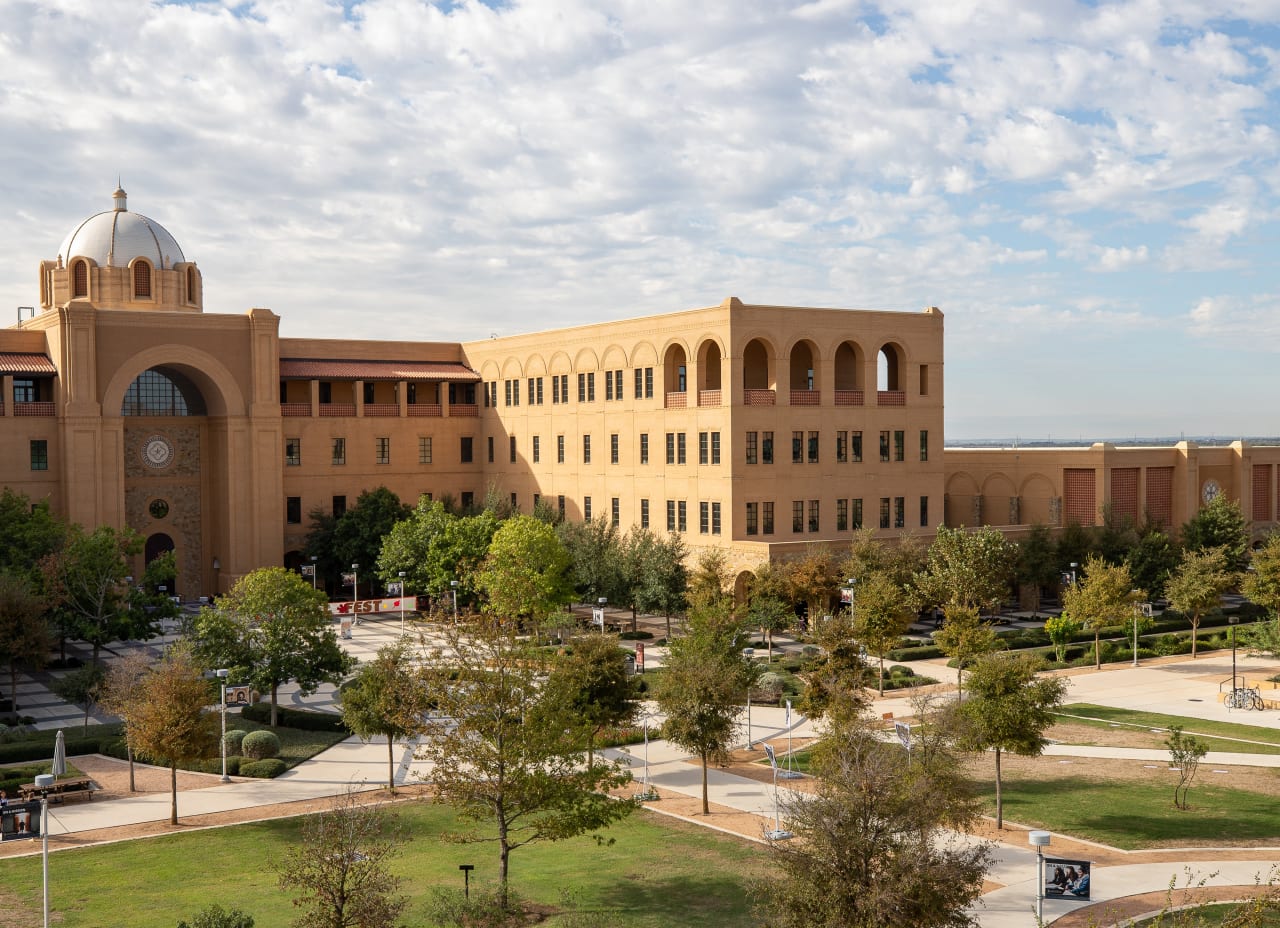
(757, 429)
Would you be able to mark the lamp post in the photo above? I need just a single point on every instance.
(1234, 620)
(1039, 840)
(1074, 565)
(222, 675)
(602, 602)
(314, 558)
(748, 654)
(355, 593)
(401, 576)
(1140, 611)
(453, 586)
(43, 783)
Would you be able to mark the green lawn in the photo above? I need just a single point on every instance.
(1238, 737)
(657, 873)
(1209, 916)
(296, 744)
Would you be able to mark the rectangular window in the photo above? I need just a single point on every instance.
(39, 454)
(368, 393)
(899, 512)
(842, 515)
(704, 518)
(753, 518)
(490, 446)
(855, 446)
(464, 449)
(842, 447)
(648, 383)
(813, 447)
(591, 387)
(615, 511)
(326, 392)
(715, 518)
(515, 393)
(797, 447)
(339, 506)
(644, 513)
(560, 506)
(486, 394)
(753, 445)
(617, 385)
(382, 451)
(24, 391)
(704, 447)
(857, 514)
(639, 391)
(586, 508)
(924, 445)
(608, 386)
(671, 447)
(515, 502)
(614, 451)
(671, 515)
(468, 501)
(924, 379)
(512, 442)
(564, 388)
(559, 449)
(533, 396)
(644, 447)
(715, 448)
(586, 449)
(899, 445)
(797, 516)
(884, 512)
(766, 448)
(884, 446)
(555, 390)
(680, 447)
(293, 510)
(813, 515)
(340, 451)
(924, 512)
(539, 382)
(424, 449)
(682, 516)
(766, 518)
(293, 452)
(507, 386)
(537, 449)
(582, 388)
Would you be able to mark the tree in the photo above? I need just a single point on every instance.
(1151, 562)
(591, 682)
(813, 580)
(25, 636)
(1075, 544)
(435, 547)
(358, 534)
(881, 616)
(705, 678)
(595, 550)
(271, 628)
(870, 555)
(342, 867)
(962, 638)
(833, 686)
(386, 698)
(965, 568)
(1009, 709)
(122, 678)
(656, 572)
(1103, 597)
(215, 916)
(31, 533)
(768, 602)
(1219, 524)
(503, 752)
(1196, 587)
(1061, 629)
(81, 687)
(710, 580)
(165, 718)
(872, 848)
(1185, 753)
(1037, 563)
(526, 573)
(1262, 580)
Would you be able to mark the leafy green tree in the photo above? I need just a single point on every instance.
(504, 752)
(1116, 537)
(709, 584)
(1196, 587)
(768, 603)
(833, 686)
(434, 547)
(965, 568)
(1152, 560)
(656, 573)
(1261, 581)
(1037, 563)
(706, 676)
(342, 867)
(1009, 709)
(358, 534)
(387, 698)
(82, 687)
(526, 573)
(1061, 629)
(166, 719)
(591, 682)
(1075, 544)
(871, 848)
(962, 638)
(215, 916)
(31, 533)
(120, 681)
(1220, 524)
(881, 616)
(1104, 596)
(813, 579)
(25, 635)
(595, 549)
(1185, 754)
(269, 629)
(871, 555)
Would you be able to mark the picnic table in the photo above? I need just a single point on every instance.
(69, 787)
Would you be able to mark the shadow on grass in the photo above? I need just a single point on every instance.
(695, 901)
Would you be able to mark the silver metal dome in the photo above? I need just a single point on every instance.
(116, 237)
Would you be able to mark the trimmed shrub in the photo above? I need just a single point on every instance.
(262, 769)
(303, 719)
(260, 745)
(901, 670)
(233, 738)
(923, 652)
(638, 635)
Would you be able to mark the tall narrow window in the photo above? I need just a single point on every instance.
(680, 447)
(382, 451)
(924, 512)
(884, 448)
(797, 516)
(340, 450)
(586, 449)
(671, 515)
(924, 445)
(857, 514)
(648, 383)
(884, 512)
(644, 447)
(899, 511)
(842, 515)
(560, 506)
(142, 280)
(80, 278)
(715, 518)
(753, 518)
(339, 506)
(582, 388)
(615, 512)
(586, 508)
(293, 452)
(293, 510)
(766, 518)
(39, 454)
(682, 516)
(591, 387)
(704, 518)
(490, 443)
(766, 448)
(639, 391)
(515, 393)
(559, 449)
(644, 513)
(855, 446)
(752, 446)
(424, 449)
(813, 515)
(813, 447)
(797, 447)
(617, 385)
(704, 447)
(671, 447)
(465, 452)
(899, 445)
(614, 451)
(715, 448)
(537, 449)
(842, 447)
(608, 387)
(512, 442)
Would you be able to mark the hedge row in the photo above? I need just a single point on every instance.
(303, 719)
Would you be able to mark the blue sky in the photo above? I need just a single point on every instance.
(1087, 190)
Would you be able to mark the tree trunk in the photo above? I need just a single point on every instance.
(128, 748)
(1195, 634)
(173, 792)
(668, 628)
(706, 807)
(882, 675)
(274, 687)
(391, 769)
(959, 682)
(86, 716)
(504, 855)
(635, 618)
(999, 797)
(1097, 649)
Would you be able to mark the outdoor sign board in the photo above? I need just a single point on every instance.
(1066, 879)
(308, 570)
(369, 606)
(639, 657)
(19, 820)
(239, 695)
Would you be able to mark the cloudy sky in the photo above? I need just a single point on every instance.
(1087, 190)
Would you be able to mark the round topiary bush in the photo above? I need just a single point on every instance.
(233, 738)
(259, 745)
(263, 769)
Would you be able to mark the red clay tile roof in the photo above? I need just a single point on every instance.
(314, 369)
(13, 362)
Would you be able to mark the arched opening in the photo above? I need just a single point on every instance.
(850, 371)
(889, 368)
(709, 370)
(80, 278)
(675, 372)
(156, 545)
(757, 368)
(162, 391)
(804, 375)
(742, 587)
(141, 280)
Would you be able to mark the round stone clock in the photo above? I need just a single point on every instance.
(157, 452)
(1210, 491)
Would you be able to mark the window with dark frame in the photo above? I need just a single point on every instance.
(766, 448)
(899, 512)
(855, 447)
(39, 449)
(797, 447)
(586, 449)
(382, 451)
(644, 447)
(682, 516)
(715, 448)
(884, 448)
(293, 452)
(644, 513)
(924, 512)
(813, 447)
(614, 450)
(704, 517)
(715, 518)
(340, 451)
(857, 514)
(753, 518)
(924, 445)
(465, 444)
(752, 445)
(766, 518)
(615, 511)
(842, 515)
(884, 512)
(559, 449)
(293, 510)
(797, 516)
(681, 447)
(537, 449)
(899, 445)
(813, 515)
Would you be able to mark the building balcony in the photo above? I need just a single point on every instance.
(381, 410)
(891, 398)
(677, 400)
(806, 397)
(33, 409)
(295, 409)
(464, 410)
(429, 410)
(708, 397)
(337, 410)
(759, 398)
(850, 397)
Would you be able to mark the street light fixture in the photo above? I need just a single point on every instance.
(453, 585)
(1234, 620)
(401, 576)
(222, 675)
(1140, 611)
(44, 782)
(314, 558)
(1039, 840)
(355, 593)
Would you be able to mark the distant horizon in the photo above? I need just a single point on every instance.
(1130, 441)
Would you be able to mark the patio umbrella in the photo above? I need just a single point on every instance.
(59, 768)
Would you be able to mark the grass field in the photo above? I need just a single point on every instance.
(656, 873)
(1239, 737)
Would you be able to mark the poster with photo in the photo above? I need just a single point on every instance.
(1066, 879)
(20, 820)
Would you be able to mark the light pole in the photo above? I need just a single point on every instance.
(43, 782)
(401, 575)
(1039, 840)
(222, 675)
(602, 602)
(355, 593)
(1234, 620)
(748, 654)
(314, 558)
(453, 586)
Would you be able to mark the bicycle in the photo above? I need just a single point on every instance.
(1244, 697)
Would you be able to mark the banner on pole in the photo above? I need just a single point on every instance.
(367, 606)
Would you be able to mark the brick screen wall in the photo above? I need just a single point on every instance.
(1160, 496)
(1080, 492)
(1124, 494)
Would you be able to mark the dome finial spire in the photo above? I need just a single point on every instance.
(119, 198)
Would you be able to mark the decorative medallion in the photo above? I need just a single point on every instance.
(157, 452)
(1210, 491)
(159, 508)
